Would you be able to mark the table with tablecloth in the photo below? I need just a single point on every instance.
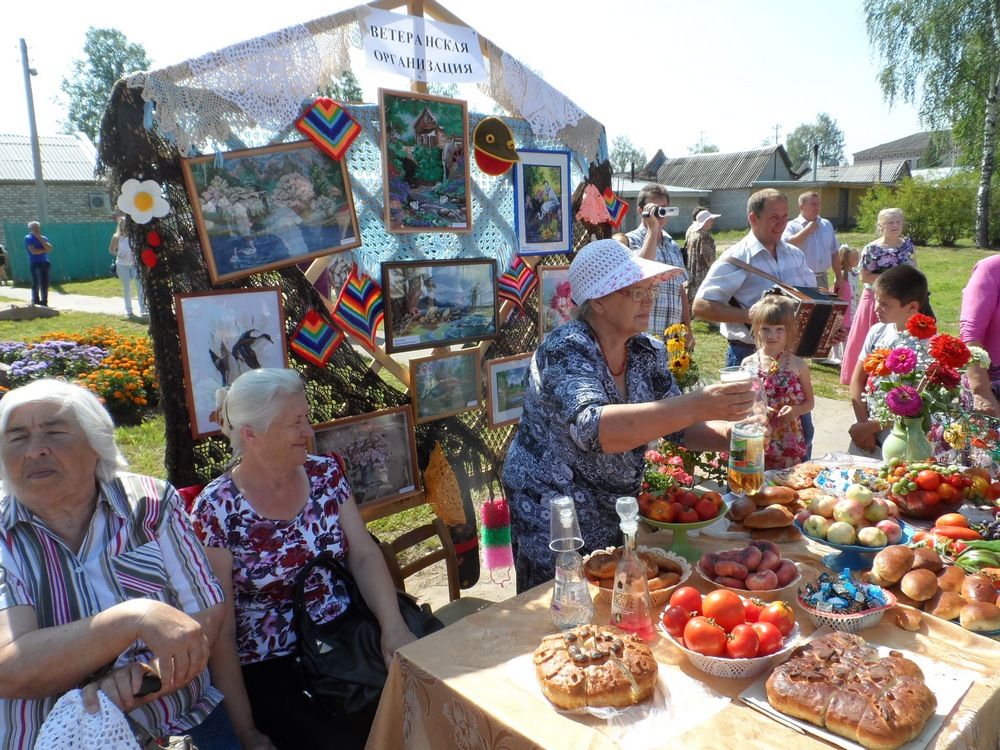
(457, 688)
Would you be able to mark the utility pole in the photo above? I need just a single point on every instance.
(36, 154)
(776, 129)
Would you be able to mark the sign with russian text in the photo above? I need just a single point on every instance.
(422, 49)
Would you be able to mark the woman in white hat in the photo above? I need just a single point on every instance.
(700, 247)
(598, 390)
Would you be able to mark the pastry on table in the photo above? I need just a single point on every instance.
(594, 666)
(800, 476)
(841, 683)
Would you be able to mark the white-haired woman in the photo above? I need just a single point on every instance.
(260, 522)
(100, 573)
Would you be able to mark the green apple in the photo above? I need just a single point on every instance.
(860, 493)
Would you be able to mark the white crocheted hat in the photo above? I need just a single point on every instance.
(605, 266)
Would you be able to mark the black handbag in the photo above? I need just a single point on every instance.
(340, 662)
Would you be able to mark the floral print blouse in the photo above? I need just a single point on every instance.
(556, 450)
(877, 258)
(267, 555)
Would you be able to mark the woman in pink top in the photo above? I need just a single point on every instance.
(979, 324)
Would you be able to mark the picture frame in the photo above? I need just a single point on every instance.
(223, 334)
(505, 387)
(555, 303)
(270, 207)
(379, 453)
(436, 303)
(425, 157)
(443, 385)
(543, 202)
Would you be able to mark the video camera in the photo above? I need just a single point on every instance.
(661, 212)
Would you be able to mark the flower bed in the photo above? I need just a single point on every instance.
(118, 368)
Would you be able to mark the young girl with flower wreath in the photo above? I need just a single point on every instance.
(785, 377)
(900, 293)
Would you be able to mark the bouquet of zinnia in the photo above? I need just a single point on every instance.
(682, 364)
(921, 375)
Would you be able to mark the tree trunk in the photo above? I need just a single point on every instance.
(986, 168)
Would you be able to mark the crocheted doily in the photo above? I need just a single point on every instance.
(70, 725)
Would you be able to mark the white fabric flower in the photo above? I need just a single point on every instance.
(142, 200)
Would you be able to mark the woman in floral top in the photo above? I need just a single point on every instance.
(260, 523)
(889, 250)
(598, 390)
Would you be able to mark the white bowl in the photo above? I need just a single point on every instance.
(736, 669)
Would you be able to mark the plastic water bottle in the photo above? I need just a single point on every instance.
(630, 605)
(571, 602)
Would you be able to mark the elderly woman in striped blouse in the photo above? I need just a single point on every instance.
(101, 577)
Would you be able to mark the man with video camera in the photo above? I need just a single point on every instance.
(651, 241)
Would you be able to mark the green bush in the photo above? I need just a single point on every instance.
(943, 210)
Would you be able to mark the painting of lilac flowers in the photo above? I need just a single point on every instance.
(264, 208)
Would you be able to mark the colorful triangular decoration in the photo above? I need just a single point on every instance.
(517, 282)
(617, 208)
(360, 307)
(593, 208)
(329, 126)
(315, 340)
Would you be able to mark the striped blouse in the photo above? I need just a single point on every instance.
(139, 545)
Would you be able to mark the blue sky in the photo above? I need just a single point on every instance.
(664, 72)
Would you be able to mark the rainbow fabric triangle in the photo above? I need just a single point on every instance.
(315, 340)
(617, 208)
(360, 307)
(517, 282)
(329, 126)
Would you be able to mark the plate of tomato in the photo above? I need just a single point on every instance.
(680, 511)
(727, 635)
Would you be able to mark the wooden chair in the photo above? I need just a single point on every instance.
(459, 606)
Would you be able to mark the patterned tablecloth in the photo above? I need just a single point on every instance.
(458, 688)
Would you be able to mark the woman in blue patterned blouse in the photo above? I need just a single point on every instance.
(598, 390)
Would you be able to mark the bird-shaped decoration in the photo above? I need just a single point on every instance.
(493, 146)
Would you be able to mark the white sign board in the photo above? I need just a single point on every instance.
(422, 49)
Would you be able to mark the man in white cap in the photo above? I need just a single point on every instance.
(814, 236)
(700, 249)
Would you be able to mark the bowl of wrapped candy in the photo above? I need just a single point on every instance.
(843, 603)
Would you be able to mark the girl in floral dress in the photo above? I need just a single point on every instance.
(785, 377)
(890, 249)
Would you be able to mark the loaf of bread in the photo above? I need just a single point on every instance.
(771, 517)
(773, 494)
(594, 666)
(841, 683)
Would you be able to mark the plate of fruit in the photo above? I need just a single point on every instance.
(727, 635)
(681, 510)
(926, 490)
(756, 570)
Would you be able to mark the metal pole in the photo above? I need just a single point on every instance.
(36, 154)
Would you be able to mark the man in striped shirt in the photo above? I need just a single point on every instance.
(100, 573)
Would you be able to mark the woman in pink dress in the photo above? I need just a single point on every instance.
(890, 249)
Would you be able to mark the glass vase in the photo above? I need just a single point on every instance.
(908, 441)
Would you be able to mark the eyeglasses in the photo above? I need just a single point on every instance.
(639, 294)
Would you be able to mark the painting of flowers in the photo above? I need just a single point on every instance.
(270, 207)
(425, 154)
(555, 302)
(542, 202)
(379, 454)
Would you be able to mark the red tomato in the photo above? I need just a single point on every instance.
(921, 535)
(928, 479)
(899, 472)
(705, 509)
(743, 642)
(931, 497)
(645, 502)
(687, 598)
(725, 607)
(951, 519)
(661, 511)
(947, 492)
(780, 615)
(752, 607)
(993, 491)
(676, 509)
(688, 499)
(705, 637)
(674, 620)
(770, 638)
(688, 515)
(715, 497)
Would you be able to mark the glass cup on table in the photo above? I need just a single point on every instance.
(746, 445)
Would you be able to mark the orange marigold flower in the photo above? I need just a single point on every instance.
(117, 394)
(874, 363)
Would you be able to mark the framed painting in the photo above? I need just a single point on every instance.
(264, 208)
(444, 385)
(555, 301)
(425, 156)
(542, 202)
(506, 382)
(223, 334)
(379, 453)
(435, 303)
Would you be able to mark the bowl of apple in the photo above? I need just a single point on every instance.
(680, 510)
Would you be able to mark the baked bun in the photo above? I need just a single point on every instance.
(600, 565)
(741, 507)
(944, 604)
(774, 494)
(919, 585)
(892, 563)
(951, 579)
(594, 666)
(926, 558)
(979, 588)
(980, 616)
(772, 517)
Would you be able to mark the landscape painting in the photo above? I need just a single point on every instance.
(426, 158)
(444, 385)
(506, 384)
(439, 302)
(269, 207)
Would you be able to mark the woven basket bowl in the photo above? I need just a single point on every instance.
(736, 669)
(852, 622)
(657, 598)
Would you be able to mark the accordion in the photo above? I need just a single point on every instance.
(819, 314)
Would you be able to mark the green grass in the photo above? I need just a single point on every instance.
(105, 286)
(20, 330)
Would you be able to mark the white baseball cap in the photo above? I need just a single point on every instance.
(704, 216)
(605, 266)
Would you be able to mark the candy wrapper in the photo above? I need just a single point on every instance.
(842, 595)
